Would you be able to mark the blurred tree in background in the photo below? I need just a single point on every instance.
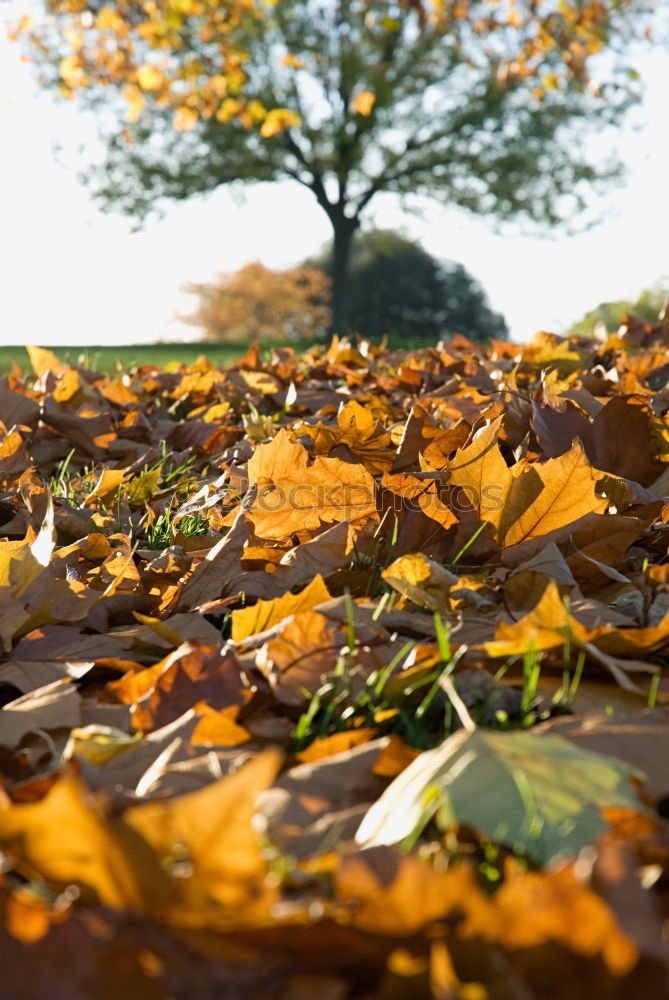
(648, 306)
(483, 104)
(396, 287)
(258, 303)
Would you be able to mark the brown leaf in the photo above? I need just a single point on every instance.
(632, 455)
(641, 740)
(190, 674)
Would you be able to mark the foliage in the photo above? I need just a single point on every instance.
(396, 287)
(259, 303)
(259, 623)
(647, 306)
(552, 791)
(483, 106)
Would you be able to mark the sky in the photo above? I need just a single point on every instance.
(72, 275)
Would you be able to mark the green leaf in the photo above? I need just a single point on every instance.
(540, 795)
(143, 487)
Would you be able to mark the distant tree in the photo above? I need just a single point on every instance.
(259, 303)
(480, 104)
(398, 288)
(648, 306)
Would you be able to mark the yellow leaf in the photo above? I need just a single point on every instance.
(422, 580)
(149, 78)
(277, 121)
(293, 61)
(71, 71)
(548, 495)
(218, 728)
(264, 614)
(185, 119)
(213, 829)
(142, 487)
(135, 99)
(363, 103)
(481, 475)
(566, 910)
(106, 487)
(65, 839)
(269, 463)
(293, 496)
(228, 109)
(44, 361)
(108, 19)
(98, 744)
(21, 562)
(161, 628)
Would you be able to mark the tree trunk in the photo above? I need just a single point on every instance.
(343, 228)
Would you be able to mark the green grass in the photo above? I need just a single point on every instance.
(108, 358)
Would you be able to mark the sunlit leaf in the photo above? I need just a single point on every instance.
(539, 795)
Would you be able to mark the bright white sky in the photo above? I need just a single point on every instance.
(72, 275)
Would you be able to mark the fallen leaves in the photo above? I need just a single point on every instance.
(244, 615)
(539, 795)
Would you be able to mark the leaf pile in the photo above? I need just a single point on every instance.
(338, 675)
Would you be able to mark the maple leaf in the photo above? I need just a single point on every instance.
(540, 795)
(264, 614)
(296, 497)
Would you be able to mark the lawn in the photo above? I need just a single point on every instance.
(107, 358)
(104, 357)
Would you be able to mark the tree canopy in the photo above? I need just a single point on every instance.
(259, 303)
(396, 287)
(478, 103)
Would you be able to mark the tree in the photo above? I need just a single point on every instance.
(258, 303)
(398, 288)
(482, 104)
(648, 306)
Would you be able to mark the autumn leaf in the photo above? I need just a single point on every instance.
(90, 851)
(44, 361)
(421, 579)
(482, 476)
(546, 496)
(296, 497)
(540, 795)
(278, 120)
(22, 562)
(263, 614)
(398, 895)
(149, 77)
(211, 830)
(363, 103)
